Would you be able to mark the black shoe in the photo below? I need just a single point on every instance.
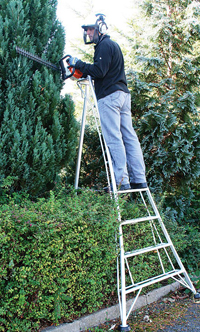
(119, 187)
(138, 185)
(124, 187)
(107, 190)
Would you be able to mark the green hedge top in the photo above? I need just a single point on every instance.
(57, 259)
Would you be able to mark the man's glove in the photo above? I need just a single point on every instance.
(72, 61)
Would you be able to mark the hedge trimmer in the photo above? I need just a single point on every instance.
(63, 64)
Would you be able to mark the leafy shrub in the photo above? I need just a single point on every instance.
(58, 255)
(57, 258)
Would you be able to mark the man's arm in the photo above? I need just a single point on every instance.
(102, 61)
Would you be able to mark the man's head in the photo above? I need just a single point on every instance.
(92, 32)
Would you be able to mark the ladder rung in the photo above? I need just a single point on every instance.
(135, 221)
(153, 280)
(147, 249)
(131, 190)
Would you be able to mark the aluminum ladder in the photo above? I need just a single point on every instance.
(166, 260)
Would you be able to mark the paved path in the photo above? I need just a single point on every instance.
(189, 322)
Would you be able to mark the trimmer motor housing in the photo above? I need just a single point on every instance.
(65, 67)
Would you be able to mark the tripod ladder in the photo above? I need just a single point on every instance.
(154, 251)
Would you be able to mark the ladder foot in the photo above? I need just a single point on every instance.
(125, 328)
(197, 297)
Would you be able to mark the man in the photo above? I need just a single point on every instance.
(114, 104)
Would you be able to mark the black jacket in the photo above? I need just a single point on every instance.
(107, 70)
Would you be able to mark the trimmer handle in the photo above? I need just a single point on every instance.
(63, 68)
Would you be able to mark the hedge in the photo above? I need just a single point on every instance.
(58, 256)
(57, 259)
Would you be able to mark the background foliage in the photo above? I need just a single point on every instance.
(165, 98)
(37, 125)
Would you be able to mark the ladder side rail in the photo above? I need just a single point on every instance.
(157, 233)
(78, 164)
(142, 196)
(152, 231)
(123, 278)
(153, 204)
(161, 241)
(129, 271)
(158, 253)
(98, 126)
(166, 252)
(102, 144)
(189, 282)
(182, 282)
(159, 218)
(150, 221)
(122, 299)
(153, 234)
(122, 262)
(118, 288)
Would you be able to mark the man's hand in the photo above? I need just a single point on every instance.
(72, 61)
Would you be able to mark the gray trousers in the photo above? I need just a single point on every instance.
(121, 139)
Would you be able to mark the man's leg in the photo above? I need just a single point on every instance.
(134, 155)
(109, 109)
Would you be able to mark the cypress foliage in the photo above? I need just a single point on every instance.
(165, 94)
(37, 125)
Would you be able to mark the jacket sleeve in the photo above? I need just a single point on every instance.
(102, 61)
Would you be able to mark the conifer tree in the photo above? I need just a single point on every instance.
(165, 96)
(37, 125)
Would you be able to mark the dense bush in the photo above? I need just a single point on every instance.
(57, 259)
(58, 255)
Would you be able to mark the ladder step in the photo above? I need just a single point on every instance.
(131, 190)
(136, 220)
(147, 249)
(153, 280)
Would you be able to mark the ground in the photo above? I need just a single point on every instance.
(175, 312)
